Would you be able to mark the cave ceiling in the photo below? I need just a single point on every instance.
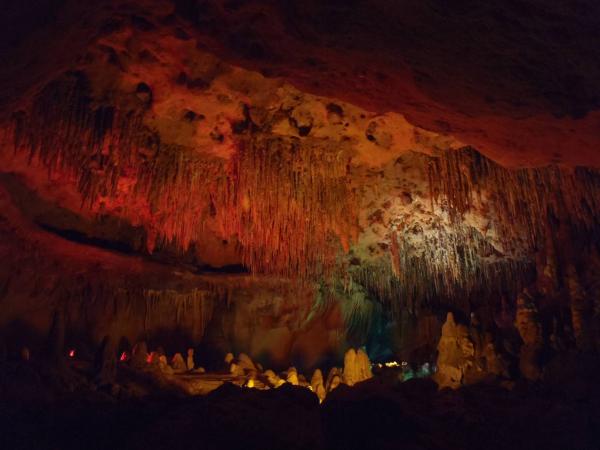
(389, 140)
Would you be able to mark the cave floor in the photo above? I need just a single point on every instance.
(371, 415)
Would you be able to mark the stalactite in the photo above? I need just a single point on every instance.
(422, 287)
(296, 208)
(520, 200)
(69, 133)
(193, 310)
(288, 201)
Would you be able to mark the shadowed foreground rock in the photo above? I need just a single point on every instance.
(371, 414)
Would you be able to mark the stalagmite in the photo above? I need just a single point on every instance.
(273, 379)
(364, 365)
(357, 367)
(292, 376)
(350, 372)
(178, 363)
(467, 355)
(236, 370)
(334, 378)
(455, 354)
(154, 360)
(530, 330)
(190, 359)
(139, 355)
(318, 385)
(245, 363)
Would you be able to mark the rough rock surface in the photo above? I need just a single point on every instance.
(466, 355)
(423, 157)
(357, 367)
(190, 363)
(317, 384)
(178, 363)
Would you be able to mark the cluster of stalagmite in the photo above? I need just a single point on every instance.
(357, 367)
(466, 355)
(551, 319)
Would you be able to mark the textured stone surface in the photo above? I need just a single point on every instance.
(466, 355)
(334, 148)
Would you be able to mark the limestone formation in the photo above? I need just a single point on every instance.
(350, 375)
(236, 370)
(318, 385)
(334, 378)
(272, 379)
(364, 365)
(245, 363)
(190, 359)
(178, 363)
(139, 355)
(154, 360)
(292, 376)
(467, 354)
(163, 365)
(455, 354)
(530, 330)
(357, 367)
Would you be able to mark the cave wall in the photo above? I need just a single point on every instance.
(246, 176)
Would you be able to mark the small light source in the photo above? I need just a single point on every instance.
(72, 353)
(123, 357)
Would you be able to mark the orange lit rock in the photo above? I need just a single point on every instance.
(292, 376)
(190, 364)
(334, 378)
(317, 384)
(357, 367)
(467, 355)
(139, 355)
(178, 363)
